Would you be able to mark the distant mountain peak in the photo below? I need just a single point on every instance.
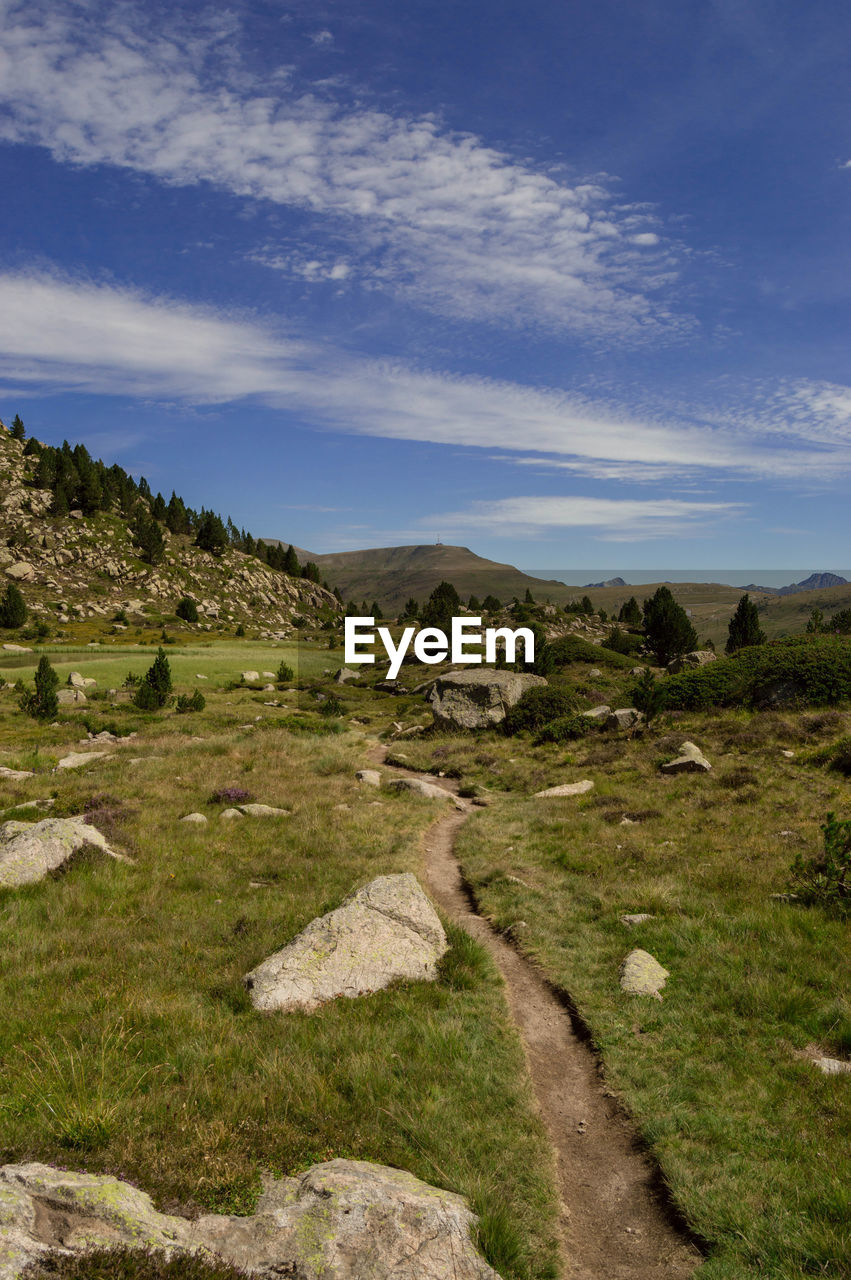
(610, 582)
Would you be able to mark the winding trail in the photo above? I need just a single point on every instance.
(614, 1223)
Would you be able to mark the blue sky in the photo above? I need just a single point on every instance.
(564, 282)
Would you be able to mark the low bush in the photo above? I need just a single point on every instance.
(803, 671)
(565, 729)
(567, 649)
(188, 702)
(285, 673)
(187, 609)
(836, 755)
(538, 707)
(230, 796)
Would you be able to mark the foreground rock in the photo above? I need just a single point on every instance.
(690, 760)
(344, 1218)
(421, 788)
(566, 789)
(642, 975)
(76, 759)
(15, 775)
(29, 850)
(370, 777)
(477, 699)
(385, 931)
(624, 718)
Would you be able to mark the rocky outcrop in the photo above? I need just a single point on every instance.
(29, 850)
(624, 718)
(345, 1218)
(691, 661)
(477, 699)
(384, 931)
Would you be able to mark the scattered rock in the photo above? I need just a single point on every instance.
(229, 814)
(268, 675)
(790, 755)
(637, 671)
(638, 918)
(690, 760)
(624, 718)
(566, 789)
(67, 696)
(345, 1218)
(689, 661)
(28, 850)
(345, 673)
(602, 712)
(77, 759)
(198, 676)
(421, 788)
(384, 931)
(642, 975)
(199, 819)
(17, 648)
(828, 1066)
(477, 699)
(76, 680)
(250, 676)
(21, 571)
(371, 777)
(595, 673)
(264, 811)
(15, 775)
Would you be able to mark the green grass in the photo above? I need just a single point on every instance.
(127, 1040)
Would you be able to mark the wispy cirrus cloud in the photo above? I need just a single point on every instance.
(58, 333)
(611, 519)
(436, 216)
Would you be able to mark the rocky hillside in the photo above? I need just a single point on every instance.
(76, 567)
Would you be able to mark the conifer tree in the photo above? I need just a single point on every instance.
(155, 688)
(13, 609)
(630, 613)
(291, 564)
(744, 628)
(18, 432)
(43, 704)
(666, 625)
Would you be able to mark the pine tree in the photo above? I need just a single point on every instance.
(18, 432)
(490, 604)
(148, 535)
(744, 628)
(666, 625)
(13, 609)
(442, 605)
(630, 613)
(43, 704)
(187, 609)
(155, 688)
(211, 535)
(291, 564)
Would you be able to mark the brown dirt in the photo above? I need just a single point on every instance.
(615, 1225)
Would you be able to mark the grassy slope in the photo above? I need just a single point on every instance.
(127, 1042)
(752, 1140)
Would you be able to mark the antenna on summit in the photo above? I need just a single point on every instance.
(438, 543)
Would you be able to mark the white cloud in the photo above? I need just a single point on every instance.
(615, 520)
(322, 37)
(445, 220)
(57, 333)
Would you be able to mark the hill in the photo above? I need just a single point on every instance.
(76, 567)
(390, 575)
(815, 582)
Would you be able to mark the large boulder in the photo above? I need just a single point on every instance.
(642, 975)
(29, 850)
(384, 931)
(477, 699)
(430, 790)
(345, 1218)
(624, 718)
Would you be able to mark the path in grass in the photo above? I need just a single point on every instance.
(614, 1224)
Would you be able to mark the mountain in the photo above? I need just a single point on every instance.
(390, 575)
(610, 582)
(815, 582)
(75, 567)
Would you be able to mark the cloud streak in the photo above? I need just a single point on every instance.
(437, 217)
(61, 334)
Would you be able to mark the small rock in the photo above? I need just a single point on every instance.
(790, 755)
(690, 760)
(15, 775)
(344, 674)
(17, 648)
(595, 673)
(265, 811)
(638, 918)
(250, 676)
(66, 697)
(832, 1066)
(566, 789)
(602, 712)
(229, 814)
(371, 777)
(199, 819)
(421, 788)
(624, 718)
(642, 975)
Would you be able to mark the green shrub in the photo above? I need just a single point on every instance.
(836, 755)
(574, 649)
(190, 702)
(565, 729)
(240, 631)
(804, 670)
(825, 878)
(538, 707)
(187, 609)
(332, 706)
(285, 673)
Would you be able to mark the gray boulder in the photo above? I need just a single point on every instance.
(67, 697)
(384, 931)
(29, 850)
(345, 1218)
(420, 787)
(15, 775)
(250, 676)
(371, 777)
(690, 760)
(77, 759)
(598, 714)
(344, 674)
(624, 718)
(264, 811)
(476, 698)
(690, 661)
(566, 789)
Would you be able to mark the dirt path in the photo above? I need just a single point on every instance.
(614, 1225)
